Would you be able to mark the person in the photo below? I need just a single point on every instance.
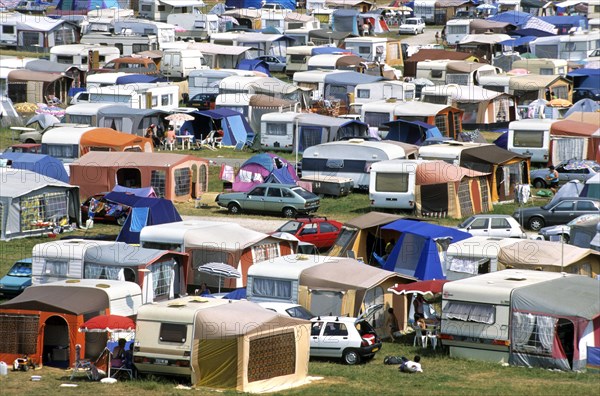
(421, 323)
(411, 366)
(552, 178)
(204, 290)
(444, 36)
(418, 306)
(118, 354)
(437, 37)
(366, 28)
(129, 357)
(171, 136)
(150, 135)
(392, 325)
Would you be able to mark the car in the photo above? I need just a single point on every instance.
(493, 225)
(319, 231)
(351, 339)
(555, 213)
(586, 93)
(563, 231)
(32, 148)
(288, 309)
(412, 26)
(276, 65)
(286, 199)
(567, 171)
(202, 101)
(105, 211)
(35, 136)
(17, 278)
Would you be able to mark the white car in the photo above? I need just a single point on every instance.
(412, 26)
(288, 309)
(351, 339)
(493, 225)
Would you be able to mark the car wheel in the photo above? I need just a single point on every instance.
(539, 183)
(289, 212)
(121, 220)
(234, 208)
(351, 357)
(564, 238)
(536, 223)
(30, 141)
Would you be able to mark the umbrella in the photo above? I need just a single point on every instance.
(423, 287)
(518, 72)
(179, 117)
(559, 103)
(485, 7)
(222, 270)
(112, 323)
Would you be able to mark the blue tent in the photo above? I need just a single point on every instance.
(138, 78)
(585, 78)
(237, 294)
(531, 32)
(516, 18)
(273, 169)
(518, 41)
(583, 106)
(345, 20)
(413, 132)
(144, 211)
(330, 50)
(236, 131)
(415, 253)
(565, 22)
(502, 141)
(254, 65)
(289, 4)
(88, 5)
(38, 163)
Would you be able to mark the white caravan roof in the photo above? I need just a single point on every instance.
(543, 124)
(313, 76)
(287, 267)
(480, 247)
(82, 49)
(65, 135)
(66, 249)
(356, 149)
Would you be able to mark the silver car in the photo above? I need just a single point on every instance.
(493, 225)
(567, 171)
(563, 231)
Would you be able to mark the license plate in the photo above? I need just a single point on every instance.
(375, 349)
(161, 361)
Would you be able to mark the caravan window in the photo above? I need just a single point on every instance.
(468, 265)
(8, 29)
(470, 312)
(79, 119)
(391, 182)
(276, 129)
(61, 151)
(372, 118)
(363, 93)
(165, 100)
(452, 29)
(55, 267)
(547, 51)
(272, 288)
(364, 50)
(64, 59)
(173, 332)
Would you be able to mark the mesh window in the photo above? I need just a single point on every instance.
(158, 181)
(39, 211)
(485, 199)
(311, 136)
(161, 278)
(272, 356)
(533, 333)
(18, 334)
(391, 182)
(182, 181)
(265, 251)
(440, 122)
(203, 178)
(464, 198)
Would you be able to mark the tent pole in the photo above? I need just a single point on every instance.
(296, 145)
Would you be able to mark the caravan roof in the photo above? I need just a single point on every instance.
(87, 108)
(238, 83)
(313, 76)
(532, 124)
(83, 49)
(375, 151)
(288, 116)
(330, 61)
(287, 267)
(495, 287)
(479, 246)
(402, 108)
(69, 248)
(65, 135)
(181, 310)
(448, 150)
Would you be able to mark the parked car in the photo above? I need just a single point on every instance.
(105, 211)
(493, 225)
(293, 310)
(32, 148)
(287, 199)
(563, 231)
(567, 170)
(275, 64)
(412, 26)
(202, 101)
(17, 278)
(35, 136)
(319, 231)
(560, 212)
(351, 339)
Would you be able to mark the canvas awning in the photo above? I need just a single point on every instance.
(217, 49)
(372, 219)
(532, 82)
(117, 159)
(546, 254)
(438, 172)
(123, 254)
(574, 128)
(486, 38)
(28, 75)
(489, 153)
(463, 67)
(260, 100)
(60, 299)
(106, 137)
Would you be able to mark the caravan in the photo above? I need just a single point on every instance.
(457, 29)
(392, 184)
(530, 137)
(84, 113)
(179, 63)
(127, 43)
(376, 49)
(79, 55)
(160, 96)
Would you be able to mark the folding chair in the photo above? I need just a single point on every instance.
(84, 365)
(420, 337)
(209, 141)
(121, 367)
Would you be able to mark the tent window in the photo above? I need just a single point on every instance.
(376, 119)
(129, 177)
(158, 181)
(163, 275)
(40, 211)
(440, 122)
(19, 334)
(182, 181)
(272, 288)
(375, 296)
(97, 271)
(391, 182)
(203, 178)
(467, 265)
(172, 332)
(326, 302)
(265, 251)
(272, 356)
(311, 136)
(464, 198)
(468, 312)
(533, 333)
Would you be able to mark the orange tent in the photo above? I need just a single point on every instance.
(569, 129)
(107, 139)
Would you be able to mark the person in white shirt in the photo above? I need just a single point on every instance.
(411, 366)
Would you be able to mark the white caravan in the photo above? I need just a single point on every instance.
(457, 29)
(159, 96)
(392, 184)
(179, 63)
(530, 137)
(78, 55)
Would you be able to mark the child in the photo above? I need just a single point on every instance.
(411, 366)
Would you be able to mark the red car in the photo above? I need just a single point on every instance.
(105, 211)
(33, 148)
(319, 231)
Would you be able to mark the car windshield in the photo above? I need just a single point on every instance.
(583, 219)
(290, 226)
(303, 193)
(20, 269)
(300, 312)
(465, 223)
(411, 22)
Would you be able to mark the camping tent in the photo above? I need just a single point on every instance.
(575, 139)
(32, 205)
(71, 7)
(583, 233)
(45, 165)
(111, 140)
(254, 65)
(344, 20)
(43, 321)
(584, 106)
(413, 132)
(264, 168)
(125, 119)
(144, 212)
(236, 131)
(416, 252)
(572, 188)
(555, 323)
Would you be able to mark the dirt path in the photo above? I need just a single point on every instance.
(253, 224)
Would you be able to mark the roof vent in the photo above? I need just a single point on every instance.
(356, 141)
(516, 278)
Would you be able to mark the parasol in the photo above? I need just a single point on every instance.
(179, 117)
(112, 323)
(423, 287)
(222, 270)
(559, 103)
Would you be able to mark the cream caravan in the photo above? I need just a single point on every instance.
(530, 137)
(392, 184)
(79, 55)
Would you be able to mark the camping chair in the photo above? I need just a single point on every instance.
(84, 365)
(420, 337)
(119, 367)
(168, 143)
(208, 141)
